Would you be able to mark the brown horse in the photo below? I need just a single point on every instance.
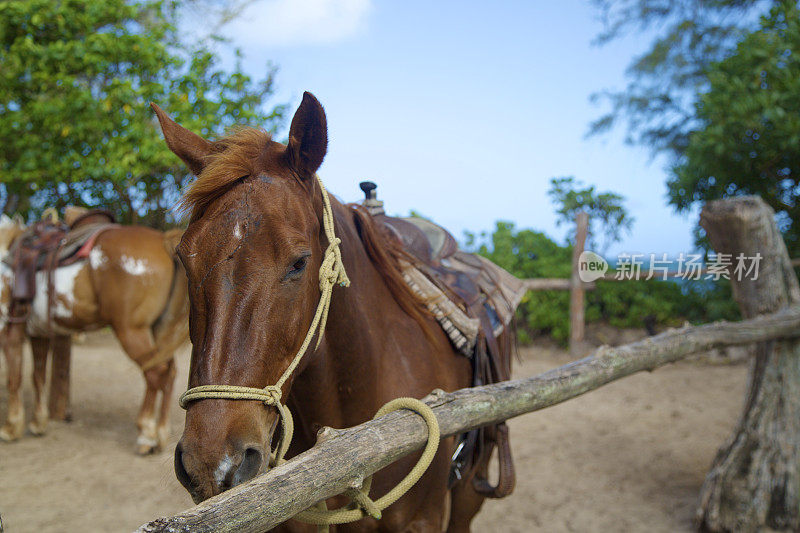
(132, 282)
(252, 252)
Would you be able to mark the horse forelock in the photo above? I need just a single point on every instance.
(235, 156)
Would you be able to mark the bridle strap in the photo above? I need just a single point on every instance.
(331, 272)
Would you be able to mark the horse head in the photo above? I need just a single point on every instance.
(252, 252)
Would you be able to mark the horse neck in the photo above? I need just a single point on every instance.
(332, 386)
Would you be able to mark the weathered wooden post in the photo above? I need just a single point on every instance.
(576, 295)
(754, 482)
(58, 404)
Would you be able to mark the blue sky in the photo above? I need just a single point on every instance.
(463, 111)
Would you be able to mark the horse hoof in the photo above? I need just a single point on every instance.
(10, 434)
(146, 446)
(146, 449)
(65, 417)
(37, 429)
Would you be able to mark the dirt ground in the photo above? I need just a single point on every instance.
(630, 456)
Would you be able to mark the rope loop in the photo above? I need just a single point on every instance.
(322, 518)
(269, 395)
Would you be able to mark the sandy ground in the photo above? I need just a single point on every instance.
(630, 456)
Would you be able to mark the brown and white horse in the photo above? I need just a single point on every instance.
(252, 252)
(132, 282)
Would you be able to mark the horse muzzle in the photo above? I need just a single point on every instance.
(204, 480)
(224, 444)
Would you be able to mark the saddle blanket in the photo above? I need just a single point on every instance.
(447, 277)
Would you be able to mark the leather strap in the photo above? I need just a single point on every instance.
(507, 477)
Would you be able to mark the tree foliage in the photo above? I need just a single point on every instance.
(76, 80)
(658, 103)
(747, 140)
(607, 216)
(530, 254)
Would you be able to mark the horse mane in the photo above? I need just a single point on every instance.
(235, 156)
(387, 255)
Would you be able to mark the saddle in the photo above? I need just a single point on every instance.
(45, 246)
(474, 301)
(36, 249)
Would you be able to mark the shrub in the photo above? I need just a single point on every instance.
(531, 254)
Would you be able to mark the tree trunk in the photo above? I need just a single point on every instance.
(755, 479)
(12, 203)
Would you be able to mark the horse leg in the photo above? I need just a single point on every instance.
(138, 343)
(436, 510)
(166, 380)
(425, 507)
(59, 378)
(466, 502)
(40, 346)
(15, 419)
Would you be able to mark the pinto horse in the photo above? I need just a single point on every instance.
(252, 252)
(130, 281)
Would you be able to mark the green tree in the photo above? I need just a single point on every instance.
(76, 79)
(530, 254)
(607, 216)
(747, 140)
(657, 104)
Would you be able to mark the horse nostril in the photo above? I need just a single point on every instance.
(251, 465)
(180, 469)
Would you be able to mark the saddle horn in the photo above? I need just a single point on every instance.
(371, 202)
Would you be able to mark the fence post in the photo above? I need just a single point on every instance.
(577, 292)
(754, 482)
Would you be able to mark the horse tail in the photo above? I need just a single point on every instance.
(171, 329)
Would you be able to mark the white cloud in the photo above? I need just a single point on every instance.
(298, 22)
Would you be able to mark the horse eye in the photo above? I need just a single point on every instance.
(300, 264)
(297, 268)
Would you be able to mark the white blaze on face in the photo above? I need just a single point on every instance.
(237, 230)
(222, 469)
(134, 266)
(63, 299)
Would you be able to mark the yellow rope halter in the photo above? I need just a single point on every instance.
(331, 271)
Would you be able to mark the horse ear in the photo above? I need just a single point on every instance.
(19, 221)
(308, 137)
(190, 147)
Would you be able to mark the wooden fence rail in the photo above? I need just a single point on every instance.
(343, 458)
